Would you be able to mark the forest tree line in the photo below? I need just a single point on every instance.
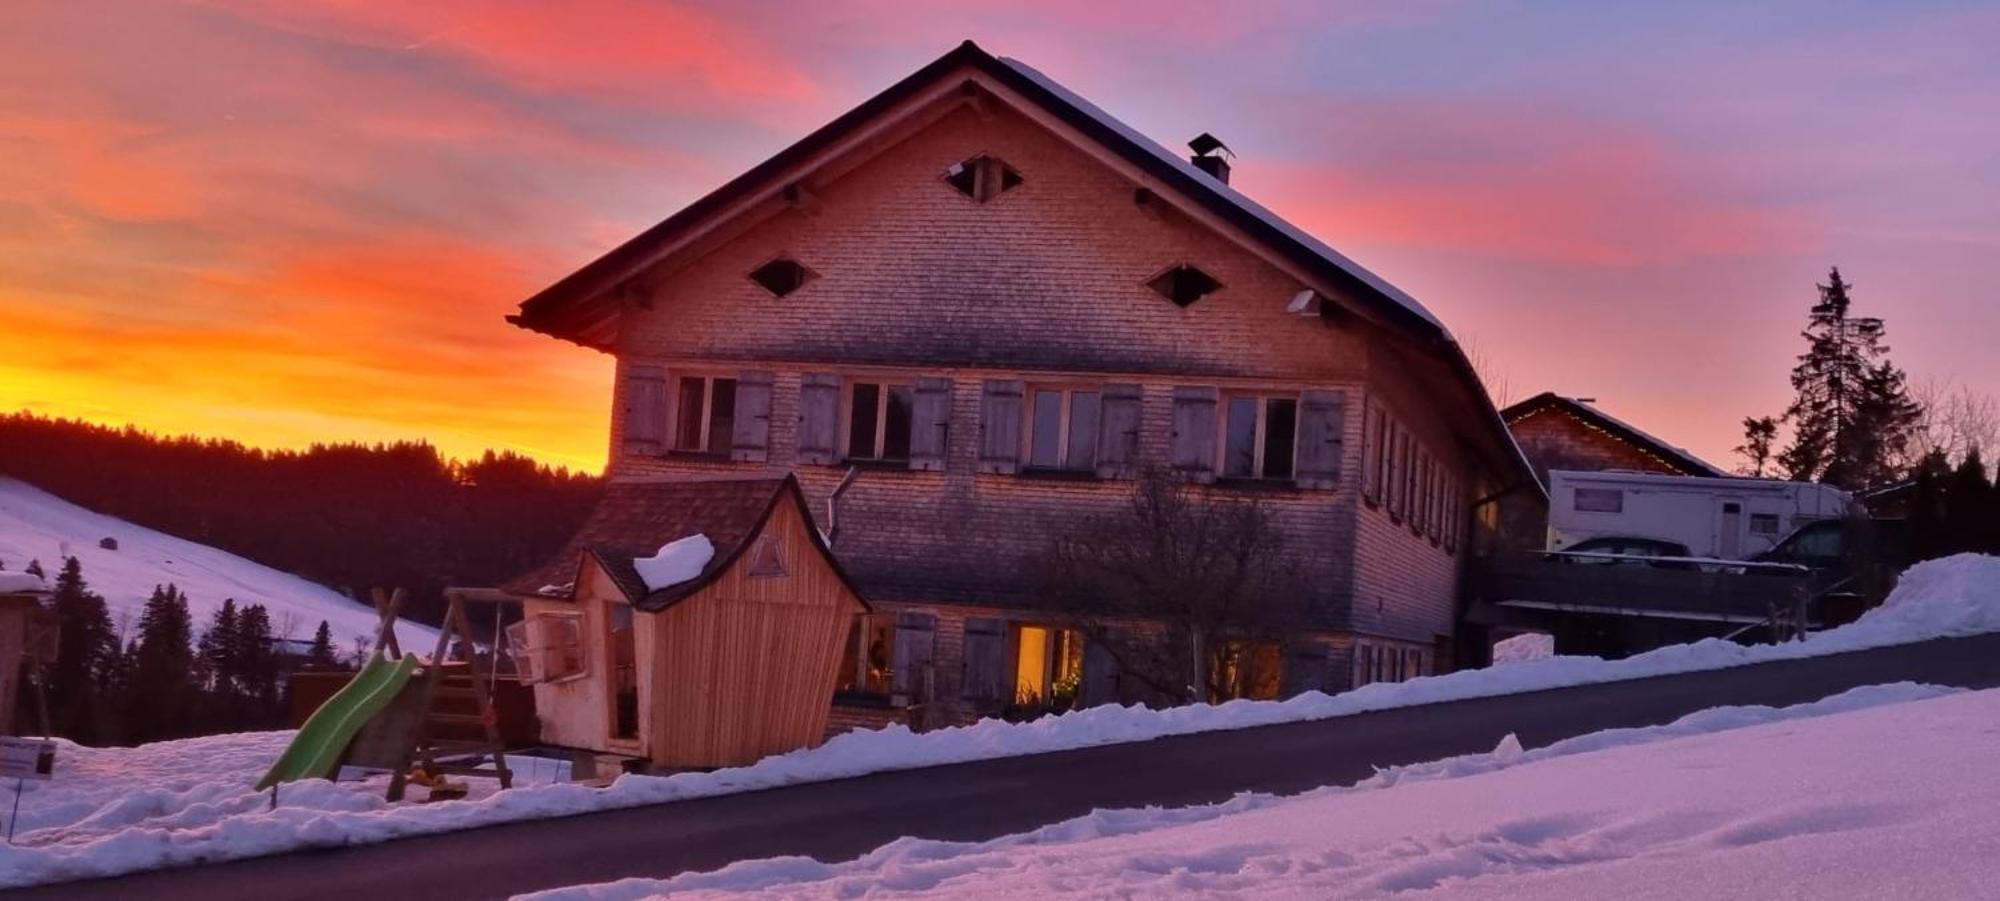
(351, 516)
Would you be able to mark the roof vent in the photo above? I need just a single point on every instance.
(1208, 156)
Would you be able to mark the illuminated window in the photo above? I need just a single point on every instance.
(1048, 667)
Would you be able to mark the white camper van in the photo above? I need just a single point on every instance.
(1727, 519)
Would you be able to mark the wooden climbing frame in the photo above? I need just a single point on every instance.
(446, 697)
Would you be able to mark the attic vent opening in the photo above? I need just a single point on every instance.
(982, 178)
(781, 276)
(1184, 284)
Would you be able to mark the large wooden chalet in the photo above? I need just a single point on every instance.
(966, 314)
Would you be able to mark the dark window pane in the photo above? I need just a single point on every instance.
(896, 433)
(1045, 436)
(861, 425)
(722, 416)
(1239, 452)
(688, 413)
(1280, 422)
(1083, 406)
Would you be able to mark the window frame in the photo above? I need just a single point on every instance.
(1259, 434)
(1065, 424)
(885, 386)
(707, 435)
(989, 177)
(1601, 494)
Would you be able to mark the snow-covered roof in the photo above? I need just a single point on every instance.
(22, 583)
(1228, 193)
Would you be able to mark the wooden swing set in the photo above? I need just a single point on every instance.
(444, 722)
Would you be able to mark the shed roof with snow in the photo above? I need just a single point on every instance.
(636, 519)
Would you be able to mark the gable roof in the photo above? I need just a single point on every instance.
(1676, 458)
(635, 519)
(569, 307)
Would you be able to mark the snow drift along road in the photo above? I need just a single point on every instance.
(217, 817)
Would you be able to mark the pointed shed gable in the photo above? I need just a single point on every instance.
(634, 519)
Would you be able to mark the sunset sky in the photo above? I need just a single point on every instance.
(287, 221)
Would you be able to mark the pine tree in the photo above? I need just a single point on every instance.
(1759, 434)
(217, 650)
(322, 656)
(1929, 535)
(1967, 500)
(87, 656)
(257, 664)
(35, 569)
(160, 696)
(1852, 413)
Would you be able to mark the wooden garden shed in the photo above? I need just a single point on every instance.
(733, 664)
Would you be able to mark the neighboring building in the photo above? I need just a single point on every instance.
(27, 632)
(1557, 432)
(966, 313)
(721, 668)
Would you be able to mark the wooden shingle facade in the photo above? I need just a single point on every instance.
(967, 314)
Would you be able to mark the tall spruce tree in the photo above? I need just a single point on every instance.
(1852, 413)
(87, 659)
(160, 694)
(257, 664)
(1760, 434)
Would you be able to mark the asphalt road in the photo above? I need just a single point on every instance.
(843, 819)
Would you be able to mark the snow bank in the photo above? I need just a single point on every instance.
(21, 583)
(35, 524)
(677, 561)
(1523, 647)
(1955, 596)
(1709, 783)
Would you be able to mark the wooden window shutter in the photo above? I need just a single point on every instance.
(1000, 425)
(930, 423)
(1118, 432)
(1419, 493)
(819, 417)
(1193, 448)
(1321, 440)
(985, 652)
(645, 400)
(752, 440)
(1454, 514)
(1371, 443)
(911, 679)
(1434, 524)
(1100, 675)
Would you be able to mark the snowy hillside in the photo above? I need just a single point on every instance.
(37, 525)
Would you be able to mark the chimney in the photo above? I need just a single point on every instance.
(1208, 156)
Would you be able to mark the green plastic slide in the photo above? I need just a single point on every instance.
(315, 752)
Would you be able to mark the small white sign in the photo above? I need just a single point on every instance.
(27, 758)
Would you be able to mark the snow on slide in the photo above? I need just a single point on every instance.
(37, 525)
(1727, 802)
(81, 832)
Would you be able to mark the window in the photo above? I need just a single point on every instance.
(982, 178)
(624, 671)
(704, 413)
(547, 646)
(865, 667)
(1048, 667)
(781, 276)
(1261, 435)
(878, 421)
(767, 558)
(1184, 284)
(1599, 500)
(1764, 523)
(1062, 428)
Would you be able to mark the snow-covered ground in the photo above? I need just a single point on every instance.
(1728, 802)
(35, 524)
(217, 816)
